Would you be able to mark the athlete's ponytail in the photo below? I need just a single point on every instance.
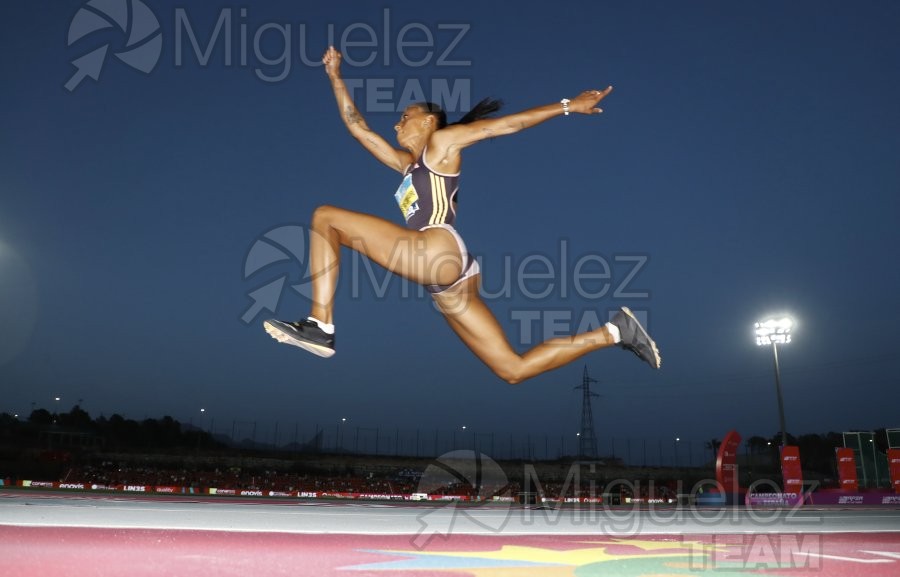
(483, 109)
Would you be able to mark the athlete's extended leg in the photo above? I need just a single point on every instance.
(425, 257)
(470, 318)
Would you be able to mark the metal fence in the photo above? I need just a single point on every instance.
(386, 441)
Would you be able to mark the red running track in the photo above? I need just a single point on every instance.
(85, 552)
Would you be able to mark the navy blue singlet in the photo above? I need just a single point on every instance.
(426, 197)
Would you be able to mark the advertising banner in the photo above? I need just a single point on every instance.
(791, 469)
(726, 462)
(894, 468)
(867, 499)
(846, 464)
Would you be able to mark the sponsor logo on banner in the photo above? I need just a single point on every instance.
(249, 493)
(779, 499)
(215, 491)
(850, 500)
(375, 496)
(135, 488)
(70, 485)
(891, 500)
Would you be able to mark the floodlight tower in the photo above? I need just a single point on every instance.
(773, 332)
(587, 440)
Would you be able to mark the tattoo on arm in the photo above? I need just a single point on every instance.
(351, 115)
(374, 142)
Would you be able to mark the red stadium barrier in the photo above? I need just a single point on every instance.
(791, 469)
(894, 468)
(846, 462)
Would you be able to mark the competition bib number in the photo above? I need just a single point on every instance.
(407, 197)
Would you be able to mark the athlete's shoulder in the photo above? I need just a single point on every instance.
(441, 154)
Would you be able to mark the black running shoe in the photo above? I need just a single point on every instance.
(305, 334)
(635, 338)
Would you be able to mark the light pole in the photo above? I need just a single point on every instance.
(199, 427)
(874, 460)
(773, 332)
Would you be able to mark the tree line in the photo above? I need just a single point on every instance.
(76, 429)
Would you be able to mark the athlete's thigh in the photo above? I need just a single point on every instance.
(473, 321)
(419, 256)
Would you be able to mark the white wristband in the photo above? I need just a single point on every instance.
(565, 103)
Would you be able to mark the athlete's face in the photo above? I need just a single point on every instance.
(413, 122)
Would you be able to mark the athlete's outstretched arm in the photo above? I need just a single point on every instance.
(355, 123)
(459, 136)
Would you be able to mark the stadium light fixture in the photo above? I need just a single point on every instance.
(776, 331)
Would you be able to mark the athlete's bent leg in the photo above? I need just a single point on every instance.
(471, 319)
(425, 257)
(429, 257)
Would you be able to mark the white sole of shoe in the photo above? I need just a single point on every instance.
(283, 337)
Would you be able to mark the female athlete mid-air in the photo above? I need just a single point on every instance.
(429, 251)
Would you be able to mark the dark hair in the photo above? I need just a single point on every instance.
(483, 109)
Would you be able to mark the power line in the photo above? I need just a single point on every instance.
(587, 442)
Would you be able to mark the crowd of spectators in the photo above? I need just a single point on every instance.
(398, 482)
(112, 474)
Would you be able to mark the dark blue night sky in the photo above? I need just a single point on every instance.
(746, 164)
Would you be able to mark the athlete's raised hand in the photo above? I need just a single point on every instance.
(586, 102)
(332, 62)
